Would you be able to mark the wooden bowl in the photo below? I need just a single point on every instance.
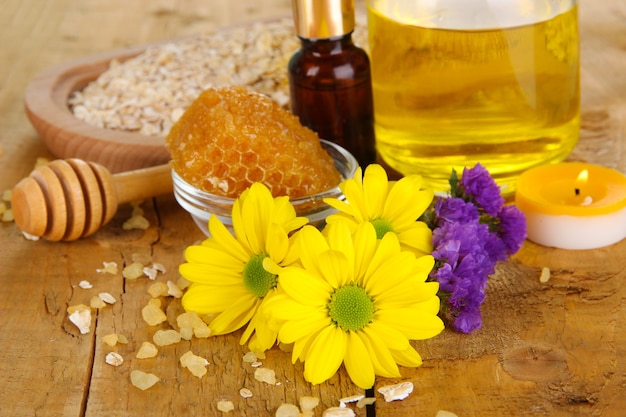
(66, 136)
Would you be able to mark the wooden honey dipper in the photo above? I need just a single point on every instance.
(70, 198)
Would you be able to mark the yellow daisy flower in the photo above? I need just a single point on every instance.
(391, 206)
(355, 300)
(227, 272)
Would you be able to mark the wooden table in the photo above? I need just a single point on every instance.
(555, 348)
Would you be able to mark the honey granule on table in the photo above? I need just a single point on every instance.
(231, 137)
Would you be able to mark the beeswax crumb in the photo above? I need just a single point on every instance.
(133, 271)
(109, 268)
(444, 413)
(308, 403)
(110, 339)
(194, 363)
(143, 380)
(96, 302)
(338, 412)
(287, 410)
(136, 222)
(225, 406)
(153, 315)
(166, 337)
(147, 350)
(265, 375)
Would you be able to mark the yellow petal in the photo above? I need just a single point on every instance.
(345, 209)
(293, 330)
(209, 255)
(301, 347)
(282, 211)
(284, 214)
(295, 224)
(392, 271)
(283, 307)
(430, 305)
(325, 355)
(277, 242)
(238, 223)
(375, 187)
(204, 299)
(406, 203)
(353, 191)
(339, 237)
(293, 251)
(342, 217)
(222, 238)
(311, 243)
(393, 338)
(358, 362)
(417, 238)
(334, 267)
(265, 337)
(255, 214)
(271, 266)
(211, 274)
(407, 293)
(412, 322)
(383, 362)
(304, 287)
(235, 317)
(407, 357)
(388, 246)
(365, 243)
(423, 266)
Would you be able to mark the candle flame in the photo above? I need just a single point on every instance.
(583, 176)
(581, 182)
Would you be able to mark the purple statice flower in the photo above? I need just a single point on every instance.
(468, 319)
(464, 264)
(511, 228)
(472, 231)
(495, 247)
(455, 210)
(478, 186)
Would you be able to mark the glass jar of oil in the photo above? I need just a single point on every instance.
(458, 82)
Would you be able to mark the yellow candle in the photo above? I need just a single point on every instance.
(573, 205)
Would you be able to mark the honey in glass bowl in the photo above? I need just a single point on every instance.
(201, 205)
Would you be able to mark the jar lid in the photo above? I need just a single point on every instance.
(321, 19)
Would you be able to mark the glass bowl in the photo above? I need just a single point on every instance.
(202, 205)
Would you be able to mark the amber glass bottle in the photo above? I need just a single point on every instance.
(329, 77)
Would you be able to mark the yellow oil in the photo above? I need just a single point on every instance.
(508, 98)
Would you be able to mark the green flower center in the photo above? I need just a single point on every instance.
(382, 226)
(256, 279)
(351, 308)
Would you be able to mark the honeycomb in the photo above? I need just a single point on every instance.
(231, 137)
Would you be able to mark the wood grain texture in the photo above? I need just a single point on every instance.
(545, 349)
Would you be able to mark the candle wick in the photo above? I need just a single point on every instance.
(587, 201)
(577, 191)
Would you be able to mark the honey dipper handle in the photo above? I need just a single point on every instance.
(143, 183)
